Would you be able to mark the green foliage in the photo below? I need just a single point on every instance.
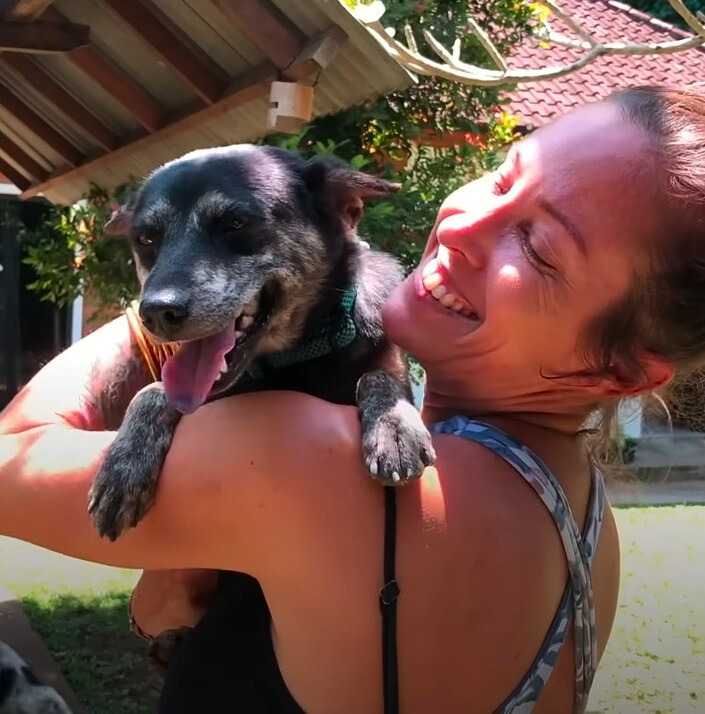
(662, 9)
(391, 135)
(70, 256)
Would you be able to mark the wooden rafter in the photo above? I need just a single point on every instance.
(42, 82)
(250, 86)
(267, 27)
(113, 80)
(17, 178)
(22, 158)
(42, 37)
(147, 112)
(22, 9)
(40, 128)
(181, 58)
(315, 55)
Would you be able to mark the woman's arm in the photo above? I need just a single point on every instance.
(231, 487)
(87, 386)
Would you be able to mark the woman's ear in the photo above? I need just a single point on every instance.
(655, 371)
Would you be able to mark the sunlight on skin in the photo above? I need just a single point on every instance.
(434, 506)
(510, 273)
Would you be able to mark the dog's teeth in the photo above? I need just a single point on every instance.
(223, 366)
(245, 321)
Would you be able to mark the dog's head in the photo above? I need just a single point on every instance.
(233, 248)
(21, 692)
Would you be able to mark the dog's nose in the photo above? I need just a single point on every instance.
(164, 312)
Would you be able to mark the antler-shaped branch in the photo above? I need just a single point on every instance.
(454, 69)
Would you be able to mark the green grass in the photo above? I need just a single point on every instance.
(80, 609)
(655, 659)
(654, 664)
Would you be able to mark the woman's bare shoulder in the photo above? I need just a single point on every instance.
(251, 465)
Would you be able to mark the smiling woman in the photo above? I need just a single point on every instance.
(547, 292)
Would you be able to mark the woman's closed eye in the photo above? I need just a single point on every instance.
(523, 232)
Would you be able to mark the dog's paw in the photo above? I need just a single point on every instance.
(397, 446)
(162, 648)
(125, 487)
(122, 493)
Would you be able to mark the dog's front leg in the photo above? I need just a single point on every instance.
(125, 486)
(396, 444)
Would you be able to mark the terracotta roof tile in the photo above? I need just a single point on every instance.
(539, 102)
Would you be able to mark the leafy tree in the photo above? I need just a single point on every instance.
(70, 255)
(433, 136)
(664, 11)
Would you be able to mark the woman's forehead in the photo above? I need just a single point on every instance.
(596, 137)
(598, 165)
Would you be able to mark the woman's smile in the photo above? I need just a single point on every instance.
(437, 281)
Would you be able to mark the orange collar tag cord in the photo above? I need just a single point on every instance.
(154, 353)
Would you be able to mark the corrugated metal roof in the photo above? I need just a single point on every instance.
(361, 70)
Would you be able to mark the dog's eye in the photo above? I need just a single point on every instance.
(230, 223)
(235, 223)
(144, 240)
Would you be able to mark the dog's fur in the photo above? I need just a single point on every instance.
(21, 692)
(209, 232)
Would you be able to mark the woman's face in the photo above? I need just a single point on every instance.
(521, 260)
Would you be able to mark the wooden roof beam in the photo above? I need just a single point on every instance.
(113, 80)
(22, 159)
(315, 55)
(103, 72)
(182, 59)
(267, 27)
(17, 178)
(42, 37)
(248, 87)
(26, 10)
(40, 128)
(41, 81)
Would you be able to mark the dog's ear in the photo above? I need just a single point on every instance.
(347, 188)
(118, 225)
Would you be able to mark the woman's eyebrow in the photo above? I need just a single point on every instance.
(570, 227)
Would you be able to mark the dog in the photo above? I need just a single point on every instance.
(249, 257)
(21, 692)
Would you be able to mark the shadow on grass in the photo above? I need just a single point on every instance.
(103, 661)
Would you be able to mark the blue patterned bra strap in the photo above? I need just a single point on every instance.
(577, 602)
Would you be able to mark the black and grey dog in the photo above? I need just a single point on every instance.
(21, 692)
(249, 257)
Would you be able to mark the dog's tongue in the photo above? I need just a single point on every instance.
(189, 375)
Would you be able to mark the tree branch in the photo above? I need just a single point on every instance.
(454, 69)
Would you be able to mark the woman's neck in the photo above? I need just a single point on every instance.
(560, 417)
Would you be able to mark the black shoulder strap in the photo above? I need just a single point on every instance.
(388, 595)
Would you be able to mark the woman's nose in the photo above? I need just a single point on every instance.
(467, 234)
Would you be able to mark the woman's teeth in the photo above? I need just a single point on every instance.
(433, 282)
